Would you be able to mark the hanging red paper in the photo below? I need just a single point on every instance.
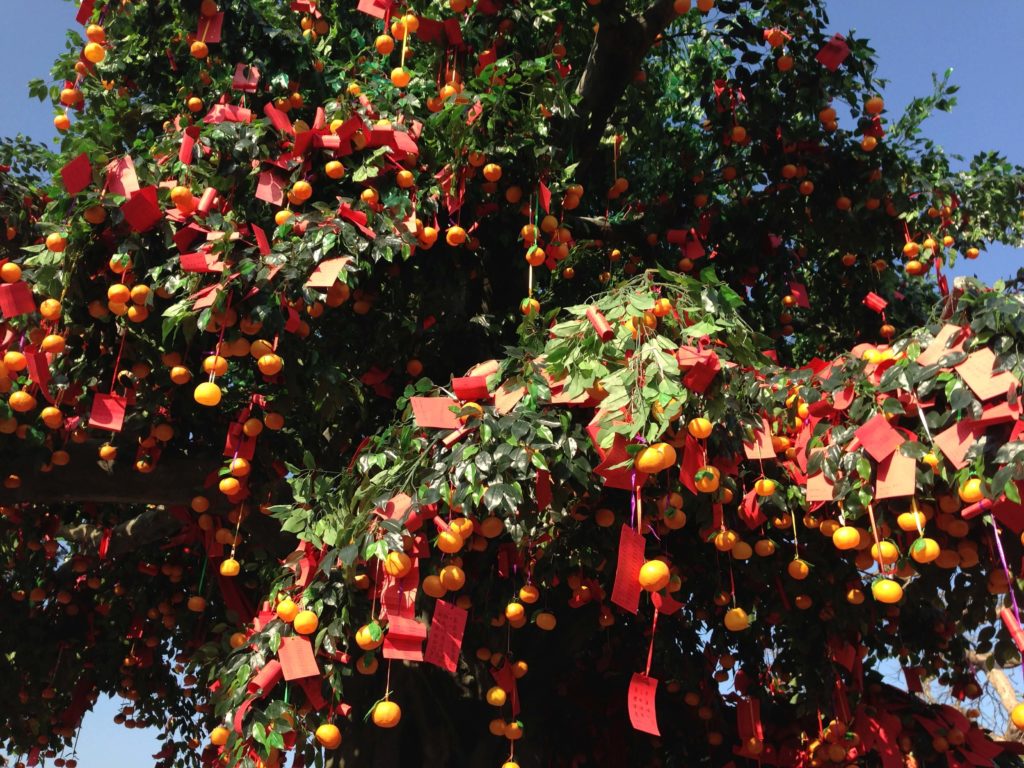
(266, 678)
(121, 177)
(545, 197)
(444, 641)
(941, 345)
(895, 477)
(297, 659)
(642, 713)
(270, 188)
(760, 447)
(246, 78)
(875, 302)
(210, 27)
(977, 372)
(404, 639)
(878, 437)
(77, 175)
(326, 273)
(16, 299)
(108, 412)
(85, 11)
(141, 210)
(626, 590)
(435, 412)
(833, 53)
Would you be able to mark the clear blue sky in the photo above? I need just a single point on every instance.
(981, 41)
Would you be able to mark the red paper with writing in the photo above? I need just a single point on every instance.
(626, 590)
(108, 412)
(642, 714)
(297, 660)
(444, 641)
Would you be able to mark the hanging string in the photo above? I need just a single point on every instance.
(650, 649)
(882, 567)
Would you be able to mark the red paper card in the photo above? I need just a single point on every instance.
(955, 441)
(444, 642)
(77, 175)
(976, 371)
(141, 211)
(297, 660)
(761, 446)
(471, 388)
(843, 398)
(435, 412)
(270, 188)
(85, 11)
(278, 119)
(878, 437)
(205, 297)
(799, 292)
(376, 8)
(833, 53)
(642, 713)
(16, 299)
(626, 590)
(938, 346)
(326, 273)
(121, 177)
(404, 639)
(201, 262)
(506, 398)
(261, 240)
(895, 476)
(108, 412)
(246, 78)
(209, 29)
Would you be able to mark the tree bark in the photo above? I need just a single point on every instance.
(151, 526)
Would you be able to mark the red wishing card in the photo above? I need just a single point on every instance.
(435, 412)
(545, 197)
(210, 27)
(85, 11)
(246, 78)
(833, 53)
(506, 397)
(761, 446)
(940, 345)
(750, 511)
(312, 688)
(626, 590)
(642, 713)
(896, 476)
(141, 211)
(878, 437)
(16, 299)
(976, 371)
(108, 412)
(205, 297)
(261, 240)
(201, 262)
(326, 273)
(270, 188)
(297, 660)
(376, 8)
(358, 218)
(77, 175)
(121, 177)
(444, 641)
(955, 441)
(404, 639)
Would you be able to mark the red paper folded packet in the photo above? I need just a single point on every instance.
(875, 302)
(246, 78)
(604, 330)
(207, 200)
(108, 412)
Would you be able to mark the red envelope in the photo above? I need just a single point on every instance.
(326, 273)
(246, 78)
(642, 713)
(833, 53)
(938, 346)
(16, 299)
(77, 175)
(435, 412)
(626, 589)
(108, 412)
(444, 642)
(878, 437)
(896, 476)
(141, 211)
(209, 29)
(121, 177)
(297, 660)
(976, 371)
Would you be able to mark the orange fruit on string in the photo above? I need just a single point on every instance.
(207, 393)
(328, 735)
(654, 575)
(230, 567)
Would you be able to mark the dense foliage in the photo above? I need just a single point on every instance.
(495, 331)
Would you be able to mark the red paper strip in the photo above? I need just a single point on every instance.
(642, 713)
(444, 642)
(601, 326)
(266, 678)
(626, 590)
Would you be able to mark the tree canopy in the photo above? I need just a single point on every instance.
(483, 383)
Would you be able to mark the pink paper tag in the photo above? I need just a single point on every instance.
(444, 642)
(642, 713)
(626, 590)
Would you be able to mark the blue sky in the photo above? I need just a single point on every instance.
(980, 41)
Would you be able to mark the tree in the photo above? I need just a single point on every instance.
(670, 249)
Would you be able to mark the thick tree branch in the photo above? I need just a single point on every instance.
(616, 54)
(151, 526)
